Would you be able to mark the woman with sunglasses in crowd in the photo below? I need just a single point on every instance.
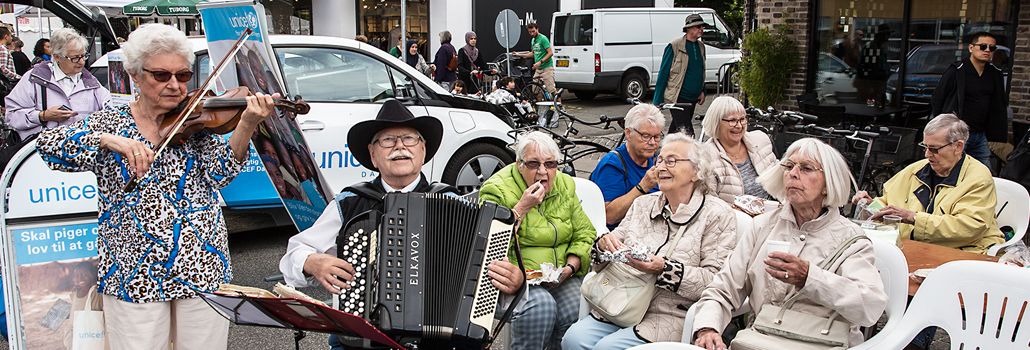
(554, 230)
(59, 92)
(164, 241)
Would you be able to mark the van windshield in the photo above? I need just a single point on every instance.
(574, 30)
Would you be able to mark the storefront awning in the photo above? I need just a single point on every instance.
(162, 7)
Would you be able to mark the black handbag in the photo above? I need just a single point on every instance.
(1017, 167)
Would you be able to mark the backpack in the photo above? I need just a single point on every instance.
(452, 65)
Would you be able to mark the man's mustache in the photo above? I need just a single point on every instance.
(399, 154)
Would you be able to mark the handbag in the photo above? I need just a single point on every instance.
(778, 327)
(452, 65)
(88, 327)
(622, 294)
(1017, 166)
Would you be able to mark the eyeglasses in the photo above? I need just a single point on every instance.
(670, 161)
(648, 137)
(934, 150)
(739, 121)
(391, 141)
(535, 164)
(986, 47)
(806, 168)
(78, 59)
(164, 76)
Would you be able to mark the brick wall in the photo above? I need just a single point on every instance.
(793, 13)
(1019, 96)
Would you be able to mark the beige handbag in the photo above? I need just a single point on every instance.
(622, 294)
(778, 327)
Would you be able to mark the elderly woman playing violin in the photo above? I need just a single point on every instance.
(163, 241)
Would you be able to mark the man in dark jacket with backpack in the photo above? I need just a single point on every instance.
(974, 89)
(396, 144)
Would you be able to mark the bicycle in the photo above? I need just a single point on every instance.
(572, 149)
(532, 89)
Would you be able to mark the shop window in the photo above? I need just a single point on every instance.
(861, 50)
(334, 75)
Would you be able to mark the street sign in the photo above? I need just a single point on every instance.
(507, 28)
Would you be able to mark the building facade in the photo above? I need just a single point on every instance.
(895, 51)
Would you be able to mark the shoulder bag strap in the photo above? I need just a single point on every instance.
(683, 228)
(825, 264)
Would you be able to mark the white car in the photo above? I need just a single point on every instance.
(341, 79)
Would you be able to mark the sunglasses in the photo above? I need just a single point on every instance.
(164, 76)
(934, 150)
(986, 47)
(535, 164)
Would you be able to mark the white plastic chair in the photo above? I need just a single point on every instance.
(1014, 207)
(978, 303)
(666, 346)
(592, 199)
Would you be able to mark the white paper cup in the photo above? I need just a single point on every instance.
(776, 246)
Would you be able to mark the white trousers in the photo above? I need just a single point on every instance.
(178, 324)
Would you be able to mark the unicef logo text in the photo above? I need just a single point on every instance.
(247, 21)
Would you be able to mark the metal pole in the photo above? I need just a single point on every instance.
(507, 41)
(404, 30)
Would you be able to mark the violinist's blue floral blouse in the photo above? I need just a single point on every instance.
(167, 239)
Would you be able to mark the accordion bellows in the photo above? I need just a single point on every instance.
(420, 268)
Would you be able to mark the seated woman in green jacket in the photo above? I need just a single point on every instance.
(554, 230)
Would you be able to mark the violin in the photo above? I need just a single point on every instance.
(217, 114)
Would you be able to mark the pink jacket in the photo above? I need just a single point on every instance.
(24, 102)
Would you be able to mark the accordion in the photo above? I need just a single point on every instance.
(420, 269)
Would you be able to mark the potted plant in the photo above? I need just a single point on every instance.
(770, 57)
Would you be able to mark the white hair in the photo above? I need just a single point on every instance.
(644, 112)
(839, 181)
(65, 39)
(721, 107)
(544, 144)
(956, 128)
(154, 39)
(697, 155)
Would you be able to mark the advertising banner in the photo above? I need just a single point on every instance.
(280, 144)
(48, 252)
(120, 84)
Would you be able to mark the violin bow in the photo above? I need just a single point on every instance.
(196, 99)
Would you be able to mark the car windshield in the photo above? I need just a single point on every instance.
(932, 61)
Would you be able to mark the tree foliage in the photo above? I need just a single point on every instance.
(731, 11)
(770, 57)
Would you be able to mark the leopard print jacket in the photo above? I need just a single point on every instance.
(166, 239)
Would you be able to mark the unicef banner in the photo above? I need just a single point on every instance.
(280, 145)
(49, 252)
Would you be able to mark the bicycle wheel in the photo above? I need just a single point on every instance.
(582, 155)
(534, 92)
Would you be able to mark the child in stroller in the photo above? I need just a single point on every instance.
(506, 96)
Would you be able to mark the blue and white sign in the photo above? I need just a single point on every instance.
(281, 149)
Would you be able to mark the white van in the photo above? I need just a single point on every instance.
(619, 50)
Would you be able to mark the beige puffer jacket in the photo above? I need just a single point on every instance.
(725, 181)
(700, 253)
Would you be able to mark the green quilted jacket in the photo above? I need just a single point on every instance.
(553, 229)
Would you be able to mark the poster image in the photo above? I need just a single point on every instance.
(118, 79)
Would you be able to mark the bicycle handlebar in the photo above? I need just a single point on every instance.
(667, 106)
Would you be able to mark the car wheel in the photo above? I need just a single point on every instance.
(634, 86)
(585, 95)
(473, 164)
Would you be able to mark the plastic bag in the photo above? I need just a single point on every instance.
(1016, 255)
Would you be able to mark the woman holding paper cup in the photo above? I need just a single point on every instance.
(554, 231)
(164, 242)
(685, 235)
(813, 182)
(742, 155)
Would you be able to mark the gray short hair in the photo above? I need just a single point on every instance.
(644, 112)
(544, 143)
(956, 128)
(839, 181)
(697, 155)
(445, 37)
(65, 39)
(721, 107)
(153, 39)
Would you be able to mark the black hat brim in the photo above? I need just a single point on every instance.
(360, 136)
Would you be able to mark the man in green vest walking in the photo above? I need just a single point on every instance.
(681, 78)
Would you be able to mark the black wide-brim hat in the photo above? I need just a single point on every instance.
(393, 114)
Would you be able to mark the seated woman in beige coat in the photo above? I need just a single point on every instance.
(813, 182)
(741, 155)
(683, 267)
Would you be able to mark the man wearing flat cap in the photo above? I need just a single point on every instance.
(681, 78)
(396, 144)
